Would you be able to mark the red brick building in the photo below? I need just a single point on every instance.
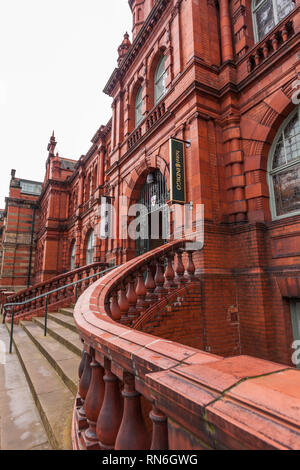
(20, 221)
(222, 75)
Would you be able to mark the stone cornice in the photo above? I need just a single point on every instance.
(139, 41)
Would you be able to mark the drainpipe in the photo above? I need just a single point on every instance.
(31, 247)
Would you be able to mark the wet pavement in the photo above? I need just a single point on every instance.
(21, 427)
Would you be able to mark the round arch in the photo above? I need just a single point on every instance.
(154, 196)
(260, 137)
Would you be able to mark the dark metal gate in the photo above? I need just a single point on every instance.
(153, 214)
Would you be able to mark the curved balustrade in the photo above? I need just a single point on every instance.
(148, 281)
(62, 298)
(141, 392)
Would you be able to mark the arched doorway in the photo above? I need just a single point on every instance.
(153, 214)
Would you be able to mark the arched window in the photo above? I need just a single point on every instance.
(139, 107)
(90, 248)
(72, 261)
(267, 13)
(160, 80)
(284, 169)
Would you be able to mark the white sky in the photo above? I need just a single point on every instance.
(55, 59)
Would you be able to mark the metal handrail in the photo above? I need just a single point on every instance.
(46, 294)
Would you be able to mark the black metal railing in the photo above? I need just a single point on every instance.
(10, 307)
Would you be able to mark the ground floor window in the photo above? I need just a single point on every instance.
(90, 248)
(72, 262)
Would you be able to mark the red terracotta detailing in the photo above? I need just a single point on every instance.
(228, 96)
(63, 298)
(198, 400)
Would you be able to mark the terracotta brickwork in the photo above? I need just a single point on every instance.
(20, 224)
(228, 95)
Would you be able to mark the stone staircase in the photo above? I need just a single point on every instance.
(50, 365)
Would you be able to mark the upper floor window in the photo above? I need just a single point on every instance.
(267, 13)
(139, 107)
(160, 80)
(284, 169)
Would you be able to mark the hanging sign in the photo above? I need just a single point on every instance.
(177, 171)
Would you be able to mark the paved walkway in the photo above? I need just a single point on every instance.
(20, 425)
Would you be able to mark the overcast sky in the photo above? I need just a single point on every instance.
(55, 59)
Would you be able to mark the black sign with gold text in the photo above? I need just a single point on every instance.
(177, 170)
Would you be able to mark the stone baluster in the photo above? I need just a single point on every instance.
(81, 367)
(275, 42)
(55, 294)
(124, 305)
(41, 300)
(141, 292)
(132, 434)
(86, 282)
(160, 430)
(69, 280)
(265, 50)
(159, 279)
(83, 390)
(150, 286)
(132, 299)
(79, 285)
(82, 364)
(180, 270)
(114, 306)
(110, 416)
(93, 404)
(170, 274)
(91, 273)
(191, 267)
(285, 33)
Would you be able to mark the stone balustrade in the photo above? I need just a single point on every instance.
(154, 115)
(270, 44)
(141, 392)
(134, 136)
(64, 297)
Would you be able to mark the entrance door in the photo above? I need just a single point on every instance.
(154, 214)
(295, 311)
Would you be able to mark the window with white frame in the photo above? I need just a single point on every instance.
(267, 13)
(160, 80)
(90, 248)
(139, 107)
(284, 168)
(73, 251)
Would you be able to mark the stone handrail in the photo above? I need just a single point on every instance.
(58, 299)
(141, 392)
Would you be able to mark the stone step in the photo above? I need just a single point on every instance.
(52, 397)
(63, 320)
(69, 312)
(65, 336)
(21, 427)
(64, 361)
